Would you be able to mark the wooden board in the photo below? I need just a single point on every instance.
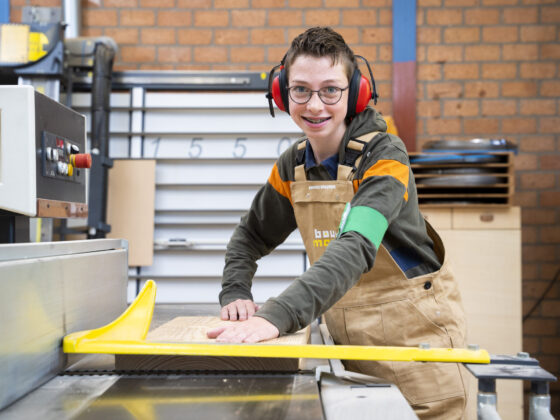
(130, 207)
(193, 329)
(60, 209)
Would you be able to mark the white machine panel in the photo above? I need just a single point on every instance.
(17, 150)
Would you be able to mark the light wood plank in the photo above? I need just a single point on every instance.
(193, 329)
(130, 207)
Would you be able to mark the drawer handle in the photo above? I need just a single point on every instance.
(486, 217)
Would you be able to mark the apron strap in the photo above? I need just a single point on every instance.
(299, 173)
(352, 158)
(366, 138)
(299, 170)
(353, 155)
(439, 248)
(344, 173)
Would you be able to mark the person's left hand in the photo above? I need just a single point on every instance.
(253, 330)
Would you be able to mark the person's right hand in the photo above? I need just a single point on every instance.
(240, 309)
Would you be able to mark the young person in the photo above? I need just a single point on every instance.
(382, 279)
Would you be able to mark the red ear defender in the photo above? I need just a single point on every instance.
(276, 94)
(364, 94)
(278, 89)
(361, 91)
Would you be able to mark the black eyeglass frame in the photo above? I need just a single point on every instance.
(311, 92)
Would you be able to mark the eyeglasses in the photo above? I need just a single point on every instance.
(329, 95)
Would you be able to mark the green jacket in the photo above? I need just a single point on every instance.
(271, 219)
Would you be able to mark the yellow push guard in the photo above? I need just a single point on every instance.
(126, 335)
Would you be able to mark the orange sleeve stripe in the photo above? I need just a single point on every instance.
(282, 187)
(392, 168)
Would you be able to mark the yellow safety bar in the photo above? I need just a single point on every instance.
(126, 335)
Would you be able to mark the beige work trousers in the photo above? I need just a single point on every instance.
(385, 308)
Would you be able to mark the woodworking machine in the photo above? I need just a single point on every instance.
(42, 155)
(53, 289)
(71, 296)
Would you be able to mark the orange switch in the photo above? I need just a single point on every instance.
(81, 160)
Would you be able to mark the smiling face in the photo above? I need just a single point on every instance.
(323, 124)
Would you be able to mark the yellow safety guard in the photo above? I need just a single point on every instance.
(126, 335)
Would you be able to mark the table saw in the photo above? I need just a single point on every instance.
(90, 388)
(53, 289)
(72, 296)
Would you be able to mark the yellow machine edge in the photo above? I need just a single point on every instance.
(126, 335)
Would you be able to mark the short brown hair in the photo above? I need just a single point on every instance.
(322, 41)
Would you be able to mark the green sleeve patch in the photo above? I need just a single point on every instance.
(364, 220)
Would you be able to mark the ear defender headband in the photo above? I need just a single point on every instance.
(360, 91)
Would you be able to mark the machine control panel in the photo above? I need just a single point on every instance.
(62, 159)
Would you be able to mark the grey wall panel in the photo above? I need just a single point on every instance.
(199, 217)
(118, 120)
(213, 151)
(200, 234)
(210, 263)
(207, 290)
(119, 147)
(222, 100)
(198, 197)
(239, 146)
(212, 234)
(201, 172)
(83, 99)
(242, 121)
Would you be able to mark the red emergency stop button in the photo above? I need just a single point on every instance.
(81, 160)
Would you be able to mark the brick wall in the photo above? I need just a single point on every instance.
(231, 34)
(490, 68)
(486, 68)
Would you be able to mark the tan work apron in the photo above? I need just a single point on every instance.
(385, 308)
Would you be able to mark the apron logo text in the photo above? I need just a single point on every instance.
(323, 237)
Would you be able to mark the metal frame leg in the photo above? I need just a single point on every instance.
(512, 367)
(539, 401)
(487, 400)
